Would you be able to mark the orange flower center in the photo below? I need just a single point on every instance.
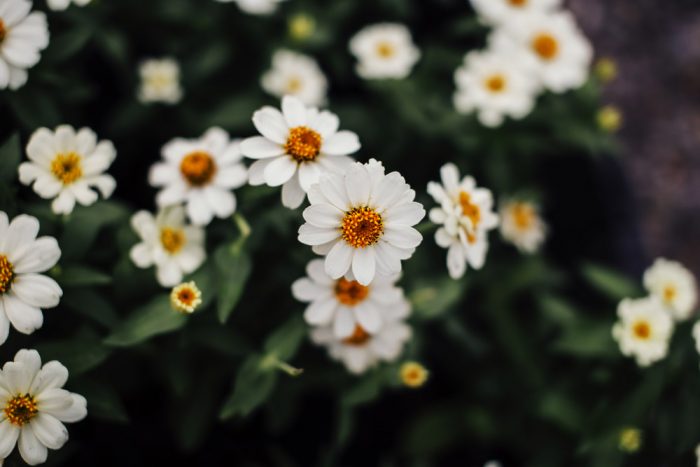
(523, 215)
(642, 330)
(546, 46)
(6, 274)
(21, 409)
(350, 292)
(469, 209)
(3, 31)
(385, 50)
(362, 227)
(172, 239)
(359, 336)
(495, 83)
(303, 144)
(670, 293)
(518, 3)
(413, 374)
(198, 168)
(67, 167)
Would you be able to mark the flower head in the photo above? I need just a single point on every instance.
(256, 7)
(301, 26)
(160, 81)
(674, 286)
(186, 297)
(383, 51)
(610, 118)
(63, 4)
(23, 35)
(413, 374)
(630, 439)
(295, 74)
(644, 330)
(497, 12)
(522, 225)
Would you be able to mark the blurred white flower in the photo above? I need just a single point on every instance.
(499, 11)
(63, 4)
(174, 247)
(345, 303)
(201, 173)
(697, 454)
(66, 166)
(674, 285)
(23, 35)
(644, 330)
(522, 225)
(35, 407)
(297, 146)
(23, 291)
(186, 297)
(493, 464)
(295, 74)
(362, 221)
(160, 81)
(384, 50)
(465, 217)
(255, 7)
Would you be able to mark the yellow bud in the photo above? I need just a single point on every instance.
(413, 374)
(610, 118)
(630, 439)
(606, 69)
(301, 26)
(185, 298)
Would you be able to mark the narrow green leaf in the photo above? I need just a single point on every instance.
(609, 282)
(233, 267)
(103, 401)
(10, 156)
(74, 275)
(284, 342)
(253, 386)
(153, 319)
(79, 354)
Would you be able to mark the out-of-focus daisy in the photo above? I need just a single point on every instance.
(23, 290)
(644, 329)
(256, 7)
(295, 74)
(413, 374)
(630, 439)
(23, 35)
(606, 69)
(301, 26)
(35, 407)
(384, 50)
(465, 217)
(345, 303)
(610, 118)
(502, 11)
(362, 221)
(186, 297)
(160, 81)
(297, 146)
(63, 4)
(174, 247)
(522, 225)
(674, 285)
(66, 165)
(201, 173)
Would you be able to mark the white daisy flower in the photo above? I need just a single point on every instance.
(522, 225)
(23, 35)
(362, 221)
(160, 81)
(186, 297)
(384, 50)
(344, 303)
(295, 74)
(297, 146)
(67, 165)
(497, 12)
(63, 4)
(495, 86)
(23, 291)
(466, 216)
(174, 247)
(644, 329)
(35, 407)
(554, 49)
(256, 7)
(674, 285)
(201, 173)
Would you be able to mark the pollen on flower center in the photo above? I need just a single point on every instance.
(67, 167)
(359, 336)
(172, 239)
(495, 83)
(21, 409)
(198, 168)
(6, 274)
(303, 144)
(362, 227)
(469, 209)
(518, 3)
(523, 215)
(642, 330)
(293, 85)
(546, 46)
(3, 31)
(670, 293)
(385, 50)
(350, 292)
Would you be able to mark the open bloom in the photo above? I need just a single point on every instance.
(413, 374)
(23, 291)
(23, 35)
(201, 173)
(362, 221)
(186, 297)
(63, 4)
(674, 285)
(174, 247)
(35, 407)
(522, 225)
(295, 74)
(383, 51)
(256, 7)
(465, 216)
(644, 330)
(160, 81)
(345, 303)
(498, 12)
(67, 165)
(297, 146)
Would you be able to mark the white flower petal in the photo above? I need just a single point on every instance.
(292, 193)
(49, 431)
(294, 111)
(38, 256)
(323, 215)
(338, 260)
(313, 235)
(8, 438)
(37, 290)
(271, 124)
(341, 144)
(31, 449)
(320, 312)
(402, 236)
(358, 186)
(280, 170)
(344, 323)
(24, 318)
(364, 265)
(258, 147)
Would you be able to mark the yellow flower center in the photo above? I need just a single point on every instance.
(293, 85)
(546, 46)
(67, 167)
(6, 274)
(642, 330)
(469, 209)
(362, 227)
(303, 144)
(413, 374)
(301, 26)
(186, 297)
(385, 49)
(495, 83)
(670, 293)
(198, 168)
(523, 215)
(359, 336)
(350, 292)
(21, 409)
(172, 239)
(518, 3)
(3, 31)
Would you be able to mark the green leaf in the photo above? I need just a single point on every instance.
(436, 297)
(155, 318)
(79, 354)
(609, 282)
(233, 267)
(84, 224)
(91, 304)
(10, 156)
(365, 391)
(253, 386)
(103, 401)
(587, 338)
(68, 44)
(284, 342)
(74, 275)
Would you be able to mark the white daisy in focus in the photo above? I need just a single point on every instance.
(201, 173)
(674, 285)
(384, 50)
(256, 7)
(497, 12)
(23, 290)
(465, 217)
(522, 225)
(167, 242)
(35, 407)
(23, 35)
(494, 86)
(644, 330)
(363, 222)
(553, 47)
(67, 165)
(295, 74)
(185, 298)
(297, 146)
(344, 303)
(160, 81)
(58, 5)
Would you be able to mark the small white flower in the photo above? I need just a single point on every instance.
(297, 146)
(160, 81)
(66, 166)
(63, 4)
(522, 225)
(344, 303)
(168, 243)
(256, 7)
(466, 216)
(201, 173)
(362, 221)
(23, 291)
(186, 297)
(554, 49)
(23, 35)
(383, 51)
(497, 12)
(295, 74)
(697, 454)
(674, 285)
(644, 329)
(696, 335)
